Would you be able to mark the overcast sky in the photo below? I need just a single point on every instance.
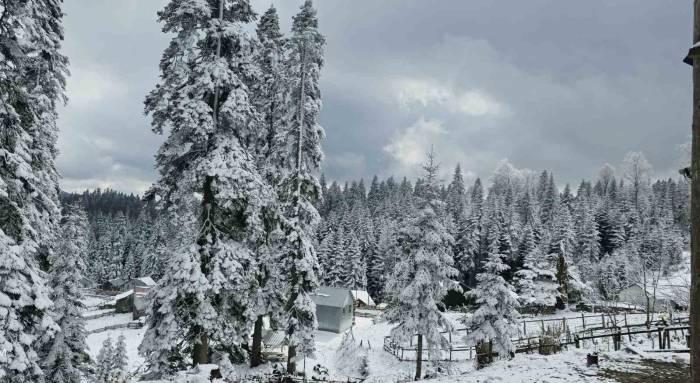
(561, 85)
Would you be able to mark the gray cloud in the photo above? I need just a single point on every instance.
(547, 84)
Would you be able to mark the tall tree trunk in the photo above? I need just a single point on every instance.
(292, 351)
(256, 357)
(291, 362)
(200, 351)
(419, 357)
(695, 213)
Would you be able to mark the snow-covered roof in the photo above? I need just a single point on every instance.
(331, 296)
(363, 296)
(273, 339)
(122, 295)
(675, 286)
(148, 281)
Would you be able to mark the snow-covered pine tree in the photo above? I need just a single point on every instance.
(119, 360)
(536, 282)
(211, 152)
(269, 98)
(383, 263)
(297, 153)
(335, 274)
(66, 352)
(456, 196)
(586, 229)
(105, 357)
(32, 78)
(154, 259)
(118, 248)
(496, 318)
(466, 247)
(268, 90)
(424, 274)
(356, 277)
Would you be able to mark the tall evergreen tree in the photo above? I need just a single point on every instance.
(211, 152)
(32, 84)
(425, 273)
(298, 155)
(496, 318)
(65, 355)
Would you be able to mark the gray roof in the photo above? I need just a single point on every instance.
(274, 339)
(332, 296)
(145, 281)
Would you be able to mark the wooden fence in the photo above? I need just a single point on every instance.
(609, 326)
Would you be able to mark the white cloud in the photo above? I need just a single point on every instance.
(409, 147)
(92, 84)
(429, 93)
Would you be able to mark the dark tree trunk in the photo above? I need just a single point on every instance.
(291, 363)
(256, 357)
(200, 351)
(695, 214)
(419, 357)
(200, 347)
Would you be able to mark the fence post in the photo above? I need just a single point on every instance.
(602, 317)
(583, 320)
(661, 341)
(525, 328)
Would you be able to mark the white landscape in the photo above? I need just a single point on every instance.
(322, 192)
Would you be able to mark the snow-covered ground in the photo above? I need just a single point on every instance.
(106, 321)
(568, 366)
(132, 337)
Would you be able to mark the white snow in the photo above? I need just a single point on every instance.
(107, 321)
(132, 339)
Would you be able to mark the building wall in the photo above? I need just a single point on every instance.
(333, 319)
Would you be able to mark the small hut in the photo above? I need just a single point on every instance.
(362, 299)
(124, 302)
(141, 287)
(334, 309)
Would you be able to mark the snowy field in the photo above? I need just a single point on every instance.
(568, 366)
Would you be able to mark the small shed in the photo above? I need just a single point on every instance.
(362, 298)
(141, 287)
(334, 308)
(142, 283)
(124, 302)
(666, 299)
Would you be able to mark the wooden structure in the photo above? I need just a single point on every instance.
(334, 309)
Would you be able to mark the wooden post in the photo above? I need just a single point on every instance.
(583, 320)
(602, 317)
(525, 328)
(661, 340)
(419, 357)
(695, 210)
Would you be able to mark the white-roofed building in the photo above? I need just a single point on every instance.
(362, 298)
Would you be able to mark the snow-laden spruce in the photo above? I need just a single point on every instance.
(536, 282)
(32, 79)
(297, 157)
(65, 356)
(210, 154)
(496, 317)
(424, 274)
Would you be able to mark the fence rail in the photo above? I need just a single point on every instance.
(610, 325)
